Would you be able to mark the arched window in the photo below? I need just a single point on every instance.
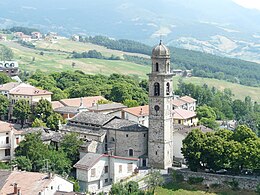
(156, 67)
(156, 89)
(167, 88)
(131, 152)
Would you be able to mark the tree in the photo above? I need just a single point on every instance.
(130, 103)
(154, 179)
(4, 78)
(6, 53)
(70, 145)
(243, 133)
(38, 123)
(54, 120)
(192, 148)
(22, 163)
(207, 116)
(43, 109)
(4, 103)
(22, 110)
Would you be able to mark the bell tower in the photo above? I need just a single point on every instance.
(160, 147)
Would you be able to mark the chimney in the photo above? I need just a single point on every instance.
(50, 175)
(15, 188)
(141, 111)
(19, 191)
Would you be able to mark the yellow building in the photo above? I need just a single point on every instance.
(185, 117)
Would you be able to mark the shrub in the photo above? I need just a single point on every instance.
(177, 177)
(195, 180)
(258, 189)
(233, 184)
(215, 185)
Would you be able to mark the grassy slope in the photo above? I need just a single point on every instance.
(57, 60)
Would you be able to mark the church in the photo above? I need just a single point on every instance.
(114, 148)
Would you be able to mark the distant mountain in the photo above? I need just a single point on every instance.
(215, 26)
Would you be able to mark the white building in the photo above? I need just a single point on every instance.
(95, 171)
(139, 114)
(9, 140)
(185, 102)
(32, 183)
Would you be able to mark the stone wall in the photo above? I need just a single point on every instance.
(247, 183)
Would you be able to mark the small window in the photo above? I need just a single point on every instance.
(7, 152)
(156, 67)
(6, 133)
(131, 152)
(93, 172)
(129, 167)
(51, 187)
(120, 169)
(144, 135)
(156, 89)
(126, 135)
(106, 180)
(167, 88)
(7, 140)
(106, 169)
(17, 140)
(156, 153)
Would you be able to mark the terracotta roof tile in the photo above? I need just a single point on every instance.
(5, 127)
(188, 99)
(183, 114)
(138, 111)
(8, 86)
(56, 104)
(87, 101)
(178, 102)
(26, 89)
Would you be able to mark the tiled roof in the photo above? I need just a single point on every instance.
(183, 114)
(5, 127)
(88, 161)
(4, 174)
(138, 111)
(56, 104)
(87, 101)
(29, 182)
(185, 130)
(86, 130)
(67, 109)
(188, 99)
(178, 102)
(8, 86)
(110, 106)
(125, 125)
(96, 119)
(25, 89)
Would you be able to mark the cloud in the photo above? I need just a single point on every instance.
(251, 4)
(29, 7)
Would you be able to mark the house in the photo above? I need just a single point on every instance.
(9, 140)
(25, 38)
(95, 171)
(3, 37)
(10, 68)
(139, 114)
(185, 117)
(18, 91)
(75, 38)
(180, 133)
(33, 183)
(36, 35)
(18, 34)
(109, 134)
(185, 102)
(68, 108)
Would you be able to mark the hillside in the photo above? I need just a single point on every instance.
(202, 25)
(56, 58)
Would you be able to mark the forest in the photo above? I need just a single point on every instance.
(202, 64)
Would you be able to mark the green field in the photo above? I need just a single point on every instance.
(184, 188)
(56, 57)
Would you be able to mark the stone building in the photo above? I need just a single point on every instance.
(160, 146)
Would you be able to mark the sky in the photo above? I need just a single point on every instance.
(252, 4)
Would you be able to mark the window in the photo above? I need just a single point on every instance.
(156, 67)
(7, 140)
(7, 152)
(126, 135)
(106, 169)
(179, 121)
(106, 180)
(120, 169)
(129, 167)
(131, 152)
(156, 153)
(167, 88)
(144, 134)
(17, 140)
(93, 172)
(156, 89)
